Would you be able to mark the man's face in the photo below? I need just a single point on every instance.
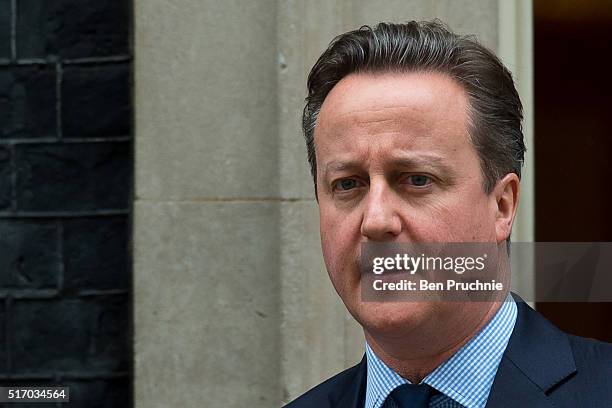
(395, 164)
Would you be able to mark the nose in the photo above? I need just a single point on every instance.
(381, 221)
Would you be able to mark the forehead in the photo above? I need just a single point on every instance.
(420, 105)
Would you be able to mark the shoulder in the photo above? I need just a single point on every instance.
(571, 370)
(591, 383)
(545, 342)
(323, 394)
(592, 356)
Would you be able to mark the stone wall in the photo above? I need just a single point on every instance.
(65, 197)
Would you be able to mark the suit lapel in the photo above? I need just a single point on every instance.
(353, 395)
(537, 358)
(512, 388)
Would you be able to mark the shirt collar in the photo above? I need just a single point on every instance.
(466, 377)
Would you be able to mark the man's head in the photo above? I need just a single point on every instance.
(494, 111)
(413, 135)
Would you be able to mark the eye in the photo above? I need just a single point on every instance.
(346, 184)
(419, 180)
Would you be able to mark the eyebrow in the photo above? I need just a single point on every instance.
(405, 160)
(418, 159)
(340, 165)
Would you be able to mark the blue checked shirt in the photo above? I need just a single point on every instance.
(464, 380)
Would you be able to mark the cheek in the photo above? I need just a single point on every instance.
(471, 220)
(335, 222)
(453, 218)
(340, 238)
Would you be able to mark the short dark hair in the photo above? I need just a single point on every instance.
(495, 110)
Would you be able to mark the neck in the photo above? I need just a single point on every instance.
(418, 353)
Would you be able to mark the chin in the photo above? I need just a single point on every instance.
(394, 318)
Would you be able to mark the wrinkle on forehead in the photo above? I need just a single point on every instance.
(391, 103)
(396, 119)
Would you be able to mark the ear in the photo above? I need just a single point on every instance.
(506, 195)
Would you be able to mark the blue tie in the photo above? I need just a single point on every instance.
(411, 396)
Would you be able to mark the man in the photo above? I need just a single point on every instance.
(414, 135)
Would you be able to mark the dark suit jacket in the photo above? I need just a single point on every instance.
(541, 367)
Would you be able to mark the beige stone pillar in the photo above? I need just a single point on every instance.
(232, 303)
(207, 208)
